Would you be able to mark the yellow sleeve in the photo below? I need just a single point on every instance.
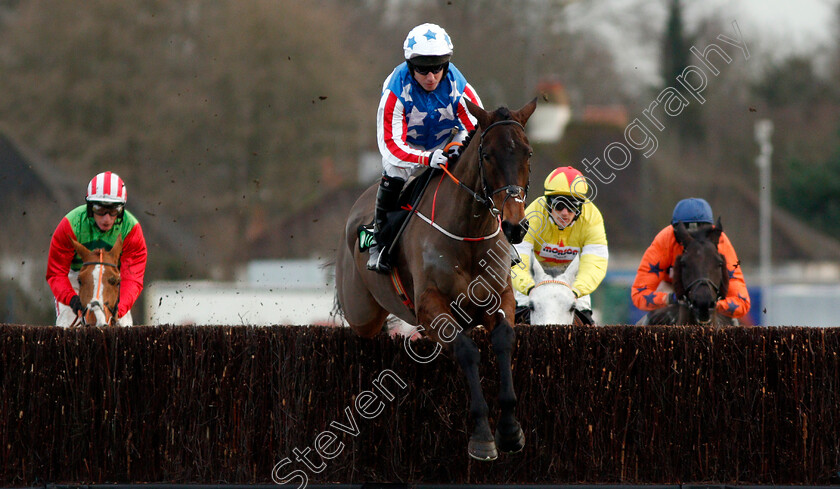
(594, 254)
(520, 274)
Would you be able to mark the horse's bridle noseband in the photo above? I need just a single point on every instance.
(701, 281)
(486, 196)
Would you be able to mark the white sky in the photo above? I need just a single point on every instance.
(795, 25)
(772, 29)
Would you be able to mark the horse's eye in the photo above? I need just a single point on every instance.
(530, 154)
(114, 280)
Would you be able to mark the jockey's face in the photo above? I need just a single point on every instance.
(563, 217)
(430, 80)
(105, 214)
(104, 221)
(563, 209)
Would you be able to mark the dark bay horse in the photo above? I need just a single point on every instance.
(99, 284)
(700, 280)
(452, 268)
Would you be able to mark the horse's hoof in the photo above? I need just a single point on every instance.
(511, 442)
(484, 451)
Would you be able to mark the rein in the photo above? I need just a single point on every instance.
(455, 236)
(486, 196)
(553, 281)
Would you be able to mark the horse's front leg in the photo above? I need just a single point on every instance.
(509, 435)
(434, 313)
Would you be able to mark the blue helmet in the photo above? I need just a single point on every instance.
(692, 210)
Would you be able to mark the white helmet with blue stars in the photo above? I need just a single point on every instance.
(427, 44)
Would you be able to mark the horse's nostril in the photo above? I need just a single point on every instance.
(513, 232)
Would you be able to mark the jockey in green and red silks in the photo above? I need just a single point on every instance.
(97, 224)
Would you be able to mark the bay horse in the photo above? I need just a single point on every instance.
(701, 279)
(452, 265)
(99, 283)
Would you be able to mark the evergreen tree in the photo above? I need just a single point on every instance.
(675, 58)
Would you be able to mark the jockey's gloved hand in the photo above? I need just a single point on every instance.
(672, 298)
(76, 304)
(438, 158)
(454, 151)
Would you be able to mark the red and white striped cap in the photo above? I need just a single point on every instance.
(106, 187)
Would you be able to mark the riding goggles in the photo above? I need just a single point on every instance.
(560, 202)
(112, 210)
(425, 70)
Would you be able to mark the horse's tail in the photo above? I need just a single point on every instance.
(336, 313)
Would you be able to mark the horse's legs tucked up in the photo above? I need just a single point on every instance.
(509, 435)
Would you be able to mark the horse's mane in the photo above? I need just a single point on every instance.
(466, 143)
(503, 113)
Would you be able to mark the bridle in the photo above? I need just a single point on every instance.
(486, 196)
(96, 305)
(703, 281)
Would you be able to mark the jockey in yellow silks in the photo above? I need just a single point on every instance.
(562, 224)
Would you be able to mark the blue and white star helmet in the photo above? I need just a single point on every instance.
(430, 42)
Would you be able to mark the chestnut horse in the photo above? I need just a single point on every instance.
(701, 279)
(452, 265)
(99, 284)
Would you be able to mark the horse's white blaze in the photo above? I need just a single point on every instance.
(100, 315)
(97, 301)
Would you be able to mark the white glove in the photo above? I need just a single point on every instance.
(438, 158)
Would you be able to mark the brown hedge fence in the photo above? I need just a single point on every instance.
(615, 404)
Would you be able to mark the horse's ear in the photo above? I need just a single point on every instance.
(482, 115)
(116, 250)
(522, 115)
(715, 232)
(682, 234)
(571, 271)
(714, 235)
(81, 249)
(539, 273)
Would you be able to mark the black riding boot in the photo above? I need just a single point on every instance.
(386, 201)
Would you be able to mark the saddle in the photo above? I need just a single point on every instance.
(395, 220)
